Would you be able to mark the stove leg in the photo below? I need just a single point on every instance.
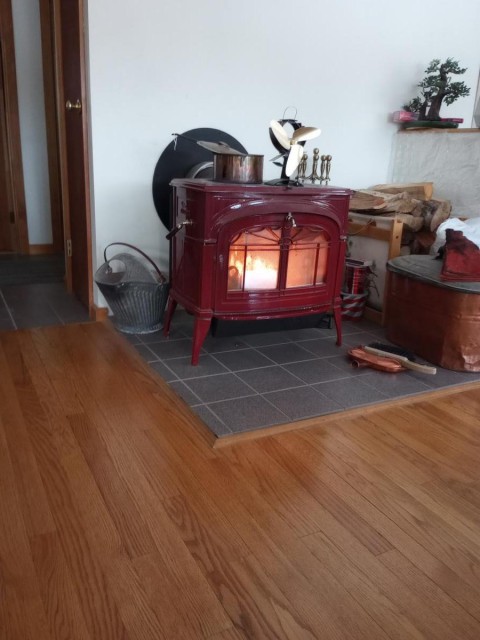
(172, 305)
(337, 314)
(200, 330)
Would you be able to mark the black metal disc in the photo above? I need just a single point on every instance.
(177, 160)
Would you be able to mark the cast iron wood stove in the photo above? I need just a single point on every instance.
(244, 252)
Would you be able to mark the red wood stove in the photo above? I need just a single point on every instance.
(244, 252)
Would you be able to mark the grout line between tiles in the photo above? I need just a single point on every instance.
(218, 418)
(200, 401)
(256, 393)
(52, 308)
(8, 310)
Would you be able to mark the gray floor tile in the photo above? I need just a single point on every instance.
(217, 345)
(132, 338)
(4, 313)
(183, 321)
(444, 378)
(395, 384)
(157, 336)
(303, 402)
(6, 324)
(145, 352)
(353, 327)
(242, 359)
(323, 348)
(17, 269)
(44, 318)
(224, 386)
(350, 392)
(164, 371)
(26, 292)
(172, 348)
(184, 392)
(28, 306)
(43, 305)
(207, 366)
(269, 379)
(344, 363)
(359, 338)
(291, 352)
(267, 339)
(319, 380)
(211, 420)
(297, 335)
(318, 370)
(70, 316)
(245, 414)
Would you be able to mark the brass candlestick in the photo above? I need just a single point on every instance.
(328, 166)
(322, 168)
(314, 175)
(302, 167)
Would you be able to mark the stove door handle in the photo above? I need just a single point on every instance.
(179, 226)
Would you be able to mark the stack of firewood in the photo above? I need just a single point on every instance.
(413, 204)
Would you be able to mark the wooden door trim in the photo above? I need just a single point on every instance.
(48, 57)
(61, 129)
(60, 125)
(86, 149)
(13, 125)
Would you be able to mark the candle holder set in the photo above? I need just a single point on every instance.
(325, 162)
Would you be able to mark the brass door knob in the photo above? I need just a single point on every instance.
(70, 106)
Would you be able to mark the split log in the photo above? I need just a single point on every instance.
(401, 203)
(422, 242)
(442, 213)
(363, 201)
(418, 190)
(420, 215)
(393, 202)
(410, 223)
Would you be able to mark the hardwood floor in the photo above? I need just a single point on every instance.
(118, 520)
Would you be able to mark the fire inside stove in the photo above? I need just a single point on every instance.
(256, 259)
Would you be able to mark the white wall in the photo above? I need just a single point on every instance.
(28, 59)
(159, 67)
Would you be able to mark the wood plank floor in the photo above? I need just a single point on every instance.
(119, 521)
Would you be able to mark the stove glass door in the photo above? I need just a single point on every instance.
(254, 259)
(307, 257)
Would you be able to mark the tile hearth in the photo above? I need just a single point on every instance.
(258, 380)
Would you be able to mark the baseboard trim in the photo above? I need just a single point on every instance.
(99, 314)
(374, 316)
(41, 249)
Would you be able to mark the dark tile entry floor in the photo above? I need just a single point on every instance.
(20, 269)
(27, 306)
(255, 381)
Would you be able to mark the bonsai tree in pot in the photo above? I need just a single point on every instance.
(436, 87)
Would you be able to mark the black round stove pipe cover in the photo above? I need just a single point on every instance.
(176, 161)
